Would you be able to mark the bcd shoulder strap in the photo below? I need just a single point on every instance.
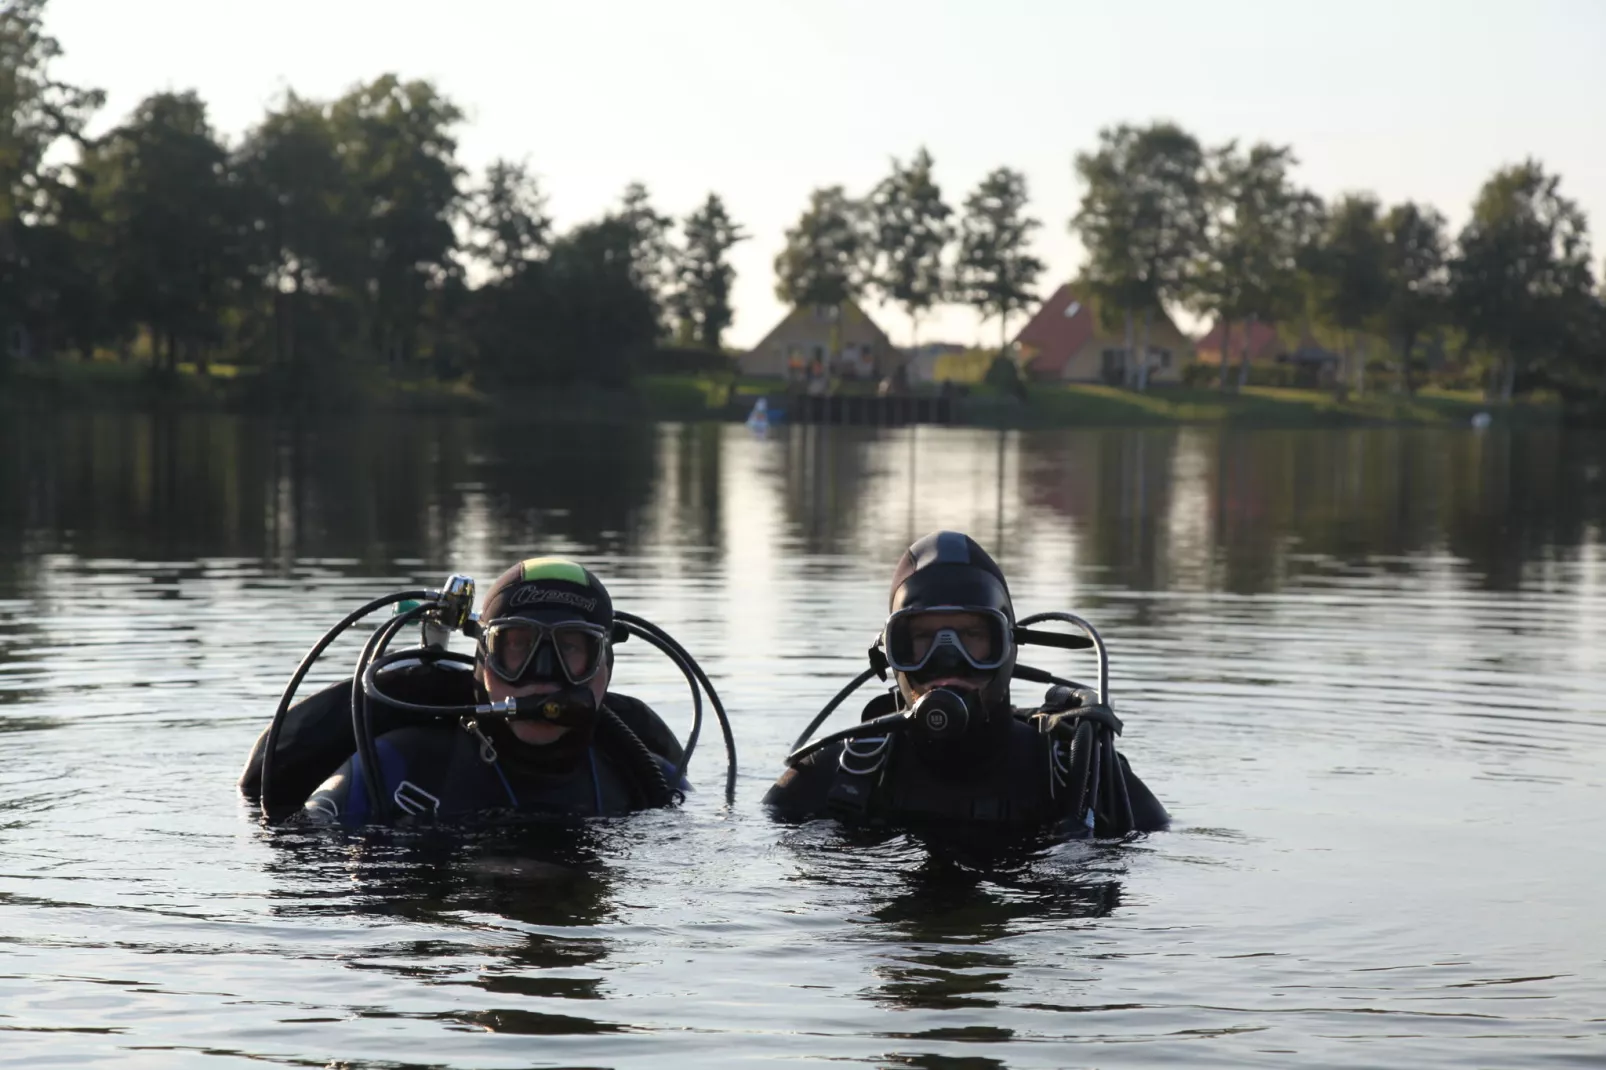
(859, 769)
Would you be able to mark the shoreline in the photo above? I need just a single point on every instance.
(694, 397)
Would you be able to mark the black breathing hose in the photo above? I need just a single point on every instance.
(647, 774)
(891, 722)
(374, 658)
(702, 678)
(830, 708)
(613, 733)
(1081, 778)
(1122, 819)
(271, 743)
(696, 695)
(619, 734)
(367, 753)
(371, 690)
(1042, 676)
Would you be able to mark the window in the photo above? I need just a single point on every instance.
(1114, 369)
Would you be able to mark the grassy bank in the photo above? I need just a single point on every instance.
(71, 384)
(1092, 405)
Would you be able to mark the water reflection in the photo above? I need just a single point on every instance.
(1244, 511)
(1204, 508)
(182, 486)
(943, 906)
(527, 873)
(512, 912)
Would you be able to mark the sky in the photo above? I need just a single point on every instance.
(762, 101)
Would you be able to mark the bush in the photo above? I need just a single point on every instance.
(1208, 376)
(686, 360)
(1004, 376)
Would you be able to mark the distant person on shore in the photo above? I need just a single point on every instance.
(546, 629)
(955, 750)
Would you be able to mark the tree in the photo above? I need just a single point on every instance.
(396, 138)
(303, 234)
(576, 316)
(701, 297)
(1414, 272)
(65, 295)
(1261, 229)
(601, 318)
(161, 185)
(651, 262)
(995, 273)
(823, 261)
(1350, 271)
(1142, 220)
(509, 220)
(37, 112)
(910, 230)
(1523, 270)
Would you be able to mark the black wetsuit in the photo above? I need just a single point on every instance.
(1000, 772)
(436, 771)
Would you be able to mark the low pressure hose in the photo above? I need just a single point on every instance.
(891, 722)
(644, 772)
(702, 678)
(271, 743)
(696, 695)
(830, 707)
(367, 754)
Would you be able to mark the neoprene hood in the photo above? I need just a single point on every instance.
(948, 568)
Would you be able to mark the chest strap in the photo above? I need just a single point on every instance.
(859, 769)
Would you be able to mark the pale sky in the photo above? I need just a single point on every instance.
(764, 101)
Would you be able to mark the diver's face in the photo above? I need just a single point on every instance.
(526, 729)
(973, 632)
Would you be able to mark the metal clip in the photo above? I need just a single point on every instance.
(867, 753)
(487, 748)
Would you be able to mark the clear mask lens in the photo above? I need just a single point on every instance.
(520, 650)
(977, 637)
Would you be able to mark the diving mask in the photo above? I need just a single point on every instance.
(521, 651)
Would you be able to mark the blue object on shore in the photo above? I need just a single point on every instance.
(762, 416)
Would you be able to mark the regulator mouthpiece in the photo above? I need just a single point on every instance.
(573, 706)
(940, 714)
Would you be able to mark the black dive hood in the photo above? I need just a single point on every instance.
(448, 610)
(949, 570)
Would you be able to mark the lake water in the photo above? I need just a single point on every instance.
(1366, 671)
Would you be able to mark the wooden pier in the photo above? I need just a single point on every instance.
(867, 410)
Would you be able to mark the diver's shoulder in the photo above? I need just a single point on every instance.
(802, 787)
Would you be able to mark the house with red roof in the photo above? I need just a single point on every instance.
(1265, 346)
(1067, 341)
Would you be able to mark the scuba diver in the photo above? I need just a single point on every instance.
(525, 725)
(946, 747)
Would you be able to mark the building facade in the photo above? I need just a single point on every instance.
(823, 340)
(1067, 342)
